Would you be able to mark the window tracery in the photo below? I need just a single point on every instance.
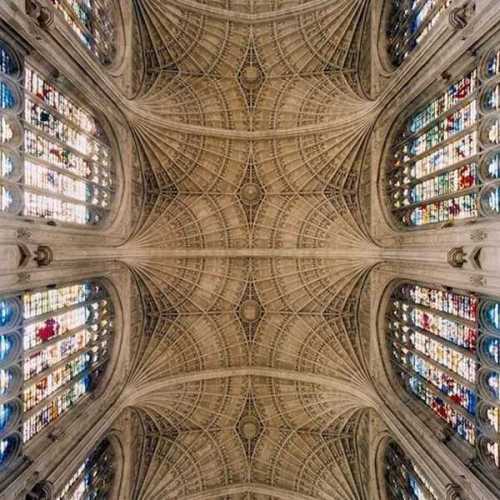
(410, 21)
(54, 345)
(94, 477)
(93, 23)
(445, 348)
(445, 164)
(402, 478)
(55, 160)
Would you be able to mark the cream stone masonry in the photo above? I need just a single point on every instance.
(250, 249)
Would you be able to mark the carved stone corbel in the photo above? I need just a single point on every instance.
(459, 16)
(41, 491)
(453, 492)
(456, 257)
(43, 256)
(43, 15)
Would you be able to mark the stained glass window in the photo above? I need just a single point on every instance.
(54, 345)
(404, 481)
(438, 169)
(445, 348)
(55, 160)
(410, 21)
(94, 478)
(93, 23)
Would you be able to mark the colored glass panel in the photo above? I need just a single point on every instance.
(492, 315)
(6, 345)
(7, 99)
(6, 380)
(8, 63)
(6, 412)
(434, 176)
(493, 450)
(67, 172)
(8, 447)
(493, 199)
(45, 414)
(493, 384)
(7, 164)
(6, 131)
(7, 312)
(493, 65)
(492, 349)
(66, 336)
(445, 351)
(493, 166)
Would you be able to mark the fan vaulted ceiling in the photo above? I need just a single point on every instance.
(251, 121)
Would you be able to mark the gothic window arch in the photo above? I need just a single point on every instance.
(444, 165)
(94, 24)
(55, 158)
(403, 479)
(54, 346)
(94, 477)
(444, 346)
(409, 23)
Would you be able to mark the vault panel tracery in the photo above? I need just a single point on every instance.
(252, 126)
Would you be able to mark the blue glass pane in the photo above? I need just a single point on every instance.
(490, 99)
(7, 99)
(7, 448)
(492, 315)
(492, 348)
(494, 199)
(493, 381)
(492, 66)
(6, 203)
(6, 164)
(5, 347)
(494, 166)
(6, 411)
(89, 289)
(7, 312)
(7, 62)
(6, 377)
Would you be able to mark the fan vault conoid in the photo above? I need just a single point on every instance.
(252, 126)
(249, 251)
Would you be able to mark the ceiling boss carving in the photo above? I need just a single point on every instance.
(250, 251)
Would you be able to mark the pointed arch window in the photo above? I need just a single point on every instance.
(445, 164)
(445, 348)
(55, 159)
(54, 345)
(94, 477)
(402, 478)
(410, 21)
(93, 22)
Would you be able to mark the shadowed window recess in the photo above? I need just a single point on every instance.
(402, 478)
(410, 21)
(94, 478)
(94, 23)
